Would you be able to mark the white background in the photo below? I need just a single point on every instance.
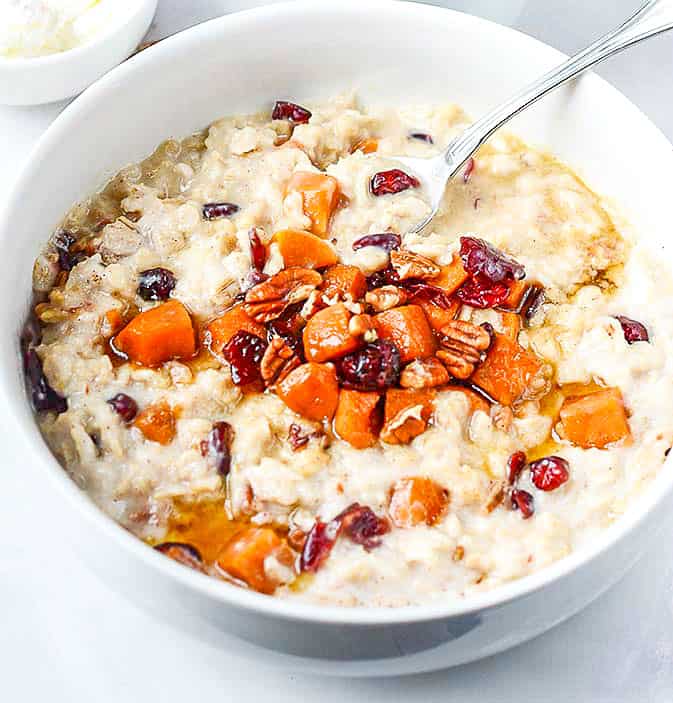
(65, 636)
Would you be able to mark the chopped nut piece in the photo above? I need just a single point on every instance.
(463, 344)
(268, 300)
(278, 360)
(424, 373)
(496, 495)
(386, 297)
(49, 314)
(407, 264)
(359, 325)
(502, 417)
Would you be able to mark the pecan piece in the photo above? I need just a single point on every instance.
(463, 344)
(386, 297)
(424, 373)
(360, 325)
(496, 495)
(407, 264)
(278, 360)
(502, 417)
(268, 300)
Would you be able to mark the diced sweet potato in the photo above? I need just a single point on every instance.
(475, 400)
(311, 390)
(516, 293)
(220, 330)
(408, 329)
(438, 317)
(366, 146)
(452, 276)
(596, 419)
(320, 194)
(157, 335)
(303, 249)
(344, 281)
(157, 423)
(358, 418)
(406, 414)
(112, 322)
(508, 372)
(326, 334)
(244, 555)
(511, 325)
(417, 500)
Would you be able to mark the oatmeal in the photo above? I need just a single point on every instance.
(242, 358)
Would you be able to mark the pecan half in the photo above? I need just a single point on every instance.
(424, 373)
(268, 300)
(386, 297)
(463, 344)
(278, 360)
(407, 264)
(359, 325)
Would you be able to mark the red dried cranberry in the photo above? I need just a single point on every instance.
(385, 240)
(385, 277)
(422, 137)
(482, 259)
(549, 473)
(634, 331)
(469, 168)
(257, 249)
(155, 284)
(183, 553)
(214, 211)
(515, 465)
(284, 110)
(392, 181)
(532, 300)
(124, 406)
(244, 352)
(479, 292)
(42, 395)
(419, 290)
(363, 526)
(523, 501)
(217, 446)
(374, 367)
(296, 437)
(318, 545)
(64, 242)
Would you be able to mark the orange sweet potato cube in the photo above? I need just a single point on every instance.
(244, 555)
(326, 334)
(511, 325)
(596, 419)
(516, 293)
(157, 423)
(366, 146)
(320, 195)
(438, 317)
(474, 399)
(344, 281)
(220, 330)
(311, 390)
(417, 500)
(303, 249)
(358, 418)
(157, 335)
(406, 414)
(452, 276)
(508, 370)
(408, 329)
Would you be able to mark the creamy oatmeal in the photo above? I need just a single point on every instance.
(242, 359)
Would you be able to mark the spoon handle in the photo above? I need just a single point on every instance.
(654, 17)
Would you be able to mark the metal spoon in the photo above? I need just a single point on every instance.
(654, 17)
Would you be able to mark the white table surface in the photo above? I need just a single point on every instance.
(65, 636)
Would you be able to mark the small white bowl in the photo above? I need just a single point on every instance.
(45, 79)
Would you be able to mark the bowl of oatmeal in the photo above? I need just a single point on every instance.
(262, 404)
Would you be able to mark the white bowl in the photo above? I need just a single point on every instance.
(390, 52)
(45, 79)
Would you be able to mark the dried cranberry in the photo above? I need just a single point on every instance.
(42, 395)
(532, 300)
(244, 352)
(124, 406)
(284, 110)
(393, 181)
(515, 465)
(214, 211)
(422, 137)
(296, 437)
(549, 473)
(634, 331)
(363, 526)
(385, 277)
(385, 240)
(479, 292)
(469, 168)
(374, 367)
(155, 284)
(318, 545)
(523, 501)
(64, 243)
(482, 259)
(257, 249)
(217, 446)
(419, 290)
(183, 553)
